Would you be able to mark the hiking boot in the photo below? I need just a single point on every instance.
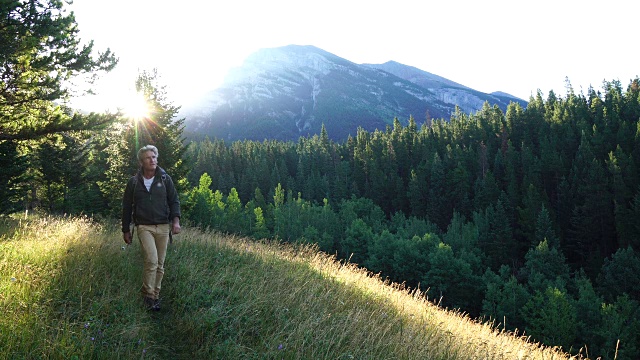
(156, 305)
(149, 303)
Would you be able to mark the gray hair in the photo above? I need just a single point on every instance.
(146, 148)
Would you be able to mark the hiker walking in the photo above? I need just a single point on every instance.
(151, 199)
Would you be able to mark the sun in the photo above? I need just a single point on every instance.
(136, 107)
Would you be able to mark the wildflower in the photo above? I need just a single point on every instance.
(13, 279)
(144, 351)
(86, 326)
(92, 338)
(280, 347)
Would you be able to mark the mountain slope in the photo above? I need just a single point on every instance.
(287, 92)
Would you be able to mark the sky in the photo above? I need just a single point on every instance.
(517, 47)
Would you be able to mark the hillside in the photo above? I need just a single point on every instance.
(69, 290)
(287, 92)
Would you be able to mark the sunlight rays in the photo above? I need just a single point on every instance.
(136, 107)
(141, 113)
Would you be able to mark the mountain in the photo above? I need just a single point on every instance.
(287, 92)
(448, 91)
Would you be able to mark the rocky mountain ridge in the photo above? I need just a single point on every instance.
(287, 92)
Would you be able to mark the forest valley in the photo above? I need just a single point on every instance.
(529, 218)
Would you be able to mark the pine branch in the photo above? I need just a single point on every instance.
(78, 122)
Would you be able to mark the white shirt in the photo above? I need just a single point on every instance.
(147, 183)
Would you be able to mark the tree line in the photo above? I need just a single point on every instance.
(528, 217)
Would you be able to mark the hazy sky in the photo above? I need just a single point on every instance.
(492, 45)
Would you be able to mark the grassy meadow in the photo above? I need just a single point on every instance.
(70, 290)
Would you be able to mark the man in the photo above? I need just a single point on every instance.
(151, 199)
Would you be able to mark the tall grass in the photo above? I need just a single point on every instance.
(69, 290)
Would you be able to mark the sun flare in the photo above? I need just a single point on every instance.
(136, 107)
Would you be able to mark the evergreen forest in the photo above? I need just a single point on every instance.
(528, 218)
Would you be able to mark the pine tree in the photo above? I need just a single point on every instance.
(620, 274)
(439, 210)
(380, 254)
(495, 235)
(545, 230)
(260, 228)
(411, 258)
(418, 191)
(281, 214)
(40, 52)
(551, 317)
(452, 279)
(545, 267)
(592, 221)
(459, 190)
(356, 242)
(461, 235)
(588, 307)
(621, 329)
(623, 174)
(504, 298)
(234, 221)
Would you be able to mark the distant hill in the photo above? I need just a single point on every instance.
(287, 92)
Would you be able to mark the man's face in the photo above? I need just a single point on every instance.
(149, 161)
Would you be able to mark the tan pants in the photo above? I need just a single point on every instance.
(153, 240)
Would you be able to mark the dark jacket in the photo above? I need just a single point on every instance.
(157, 206)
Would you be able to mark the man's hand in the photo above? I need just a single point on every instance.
(127, 237)
(175, 226)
